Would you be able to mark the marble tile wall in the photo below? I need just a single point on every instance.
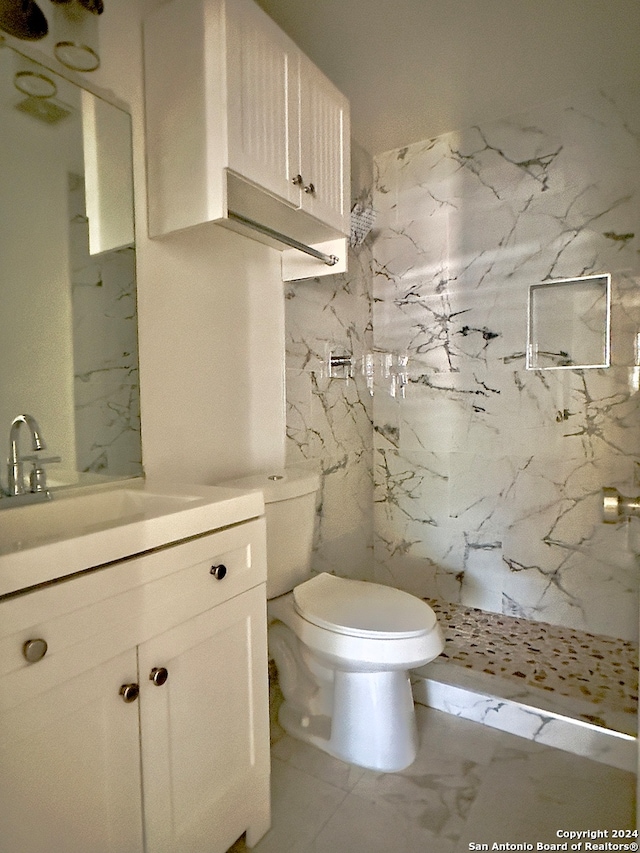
(105, 352)
(329, 419)
(488, 475)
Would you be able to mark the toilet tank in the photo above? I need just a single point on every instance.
(290, 508)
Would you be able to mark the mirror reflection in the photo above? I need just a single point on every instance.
(67, 277)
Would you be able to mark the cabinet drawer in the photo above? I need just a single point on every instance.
(126, 603)
(217, 576)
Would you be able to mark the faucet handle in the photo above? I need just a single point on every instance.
(38, 475)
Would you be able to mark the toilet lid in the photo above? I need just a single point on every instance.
(362, 609)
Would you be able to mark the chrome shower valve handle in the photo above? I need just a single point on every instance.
(615, 506)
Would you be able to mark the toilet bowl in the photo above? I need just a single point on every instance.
(343, 648)
(355, 642)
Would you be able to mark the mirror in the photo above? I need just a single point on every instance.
(569, 323)
(69, 354)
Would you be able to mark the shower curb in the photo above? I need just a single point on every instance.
(443, 688)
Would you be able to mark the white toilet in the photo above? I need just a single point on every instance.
(343, 648)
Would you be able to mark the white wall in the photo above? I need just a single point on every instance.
(211, 316)
(211, 339)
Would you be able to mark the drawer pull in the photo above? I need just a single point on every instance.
(34, 650)
(158, 675)
(310, 189)
(218, 571)
(130, 692)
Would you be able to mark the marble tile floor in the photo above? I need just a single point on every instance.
(469, 784)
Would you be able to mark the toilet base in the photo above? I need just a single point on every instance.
(372, 725)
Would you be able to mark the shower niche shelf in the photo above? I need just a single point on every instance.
(569, 323)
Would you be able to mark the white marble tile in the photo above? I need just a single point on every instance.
(527, 798)
(435, 421)
(329, 420)
(531, 722)
(570, 707)
(487, 475)
(344, 530)
(589, 582)
(317, 763)
(415, 485)
(484, 575)
(422, 559)
(470, 783)
(301, 804)
(466, 223)
(299, 397)
(362, 826)
(106, 382)
(441, 733)
(434, 793)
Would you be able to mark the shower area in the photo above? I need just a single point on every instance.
(474, 409)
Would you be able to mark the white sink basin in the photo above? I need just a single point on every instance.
(81, 513)
(84, 528)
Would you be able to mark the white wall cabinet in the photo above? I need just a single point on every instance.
(286, 121)
(183, 765)
(263, 105)
(326, 190)
(238, 119)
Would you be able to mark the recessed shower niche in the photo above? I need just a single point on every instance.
(570, 323)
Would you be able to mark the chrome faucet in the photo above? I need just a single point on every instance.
(16, 489)
(15, 479)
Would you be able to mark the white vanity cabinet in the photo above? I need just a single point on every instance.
(69, 759)
(238, 119)
(206, 759)
(144, 726)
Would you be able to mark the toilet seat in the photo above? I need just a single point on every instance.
(361, 609)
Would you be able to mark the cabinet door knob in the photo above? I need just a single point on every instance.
(218, 571)
(34, 650)
(310, 189)
(129, 692)
(297, 181)
(158, 675)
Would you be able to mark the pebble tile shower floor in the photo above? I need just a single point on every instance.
(573, 663)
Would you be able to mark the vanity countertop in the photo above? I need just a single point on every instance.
(85, 528)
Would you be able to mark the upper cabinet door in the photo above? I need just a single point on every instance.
(288, 124)
(324, 145)
(263, 119)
